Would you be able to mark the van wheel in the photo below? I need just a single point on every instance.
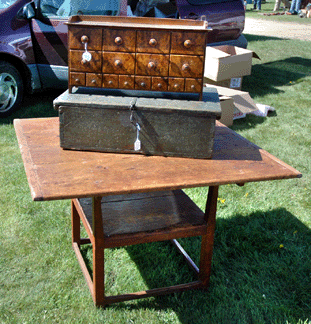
(11, 89)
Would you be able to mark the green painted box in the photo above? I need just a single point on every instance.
(127, 124)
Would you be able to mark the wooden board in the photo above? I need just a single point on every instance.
(137, 47)
(54, 173)
(113, 124)
(145, 212)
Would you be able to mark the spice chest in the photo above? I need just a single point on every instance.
(151, 126)
(137, 53)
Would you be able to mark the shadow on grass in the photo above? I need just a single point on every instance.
(267, 77)
(260, 274)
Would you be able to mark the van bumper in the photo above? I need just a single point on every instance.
(239, 42)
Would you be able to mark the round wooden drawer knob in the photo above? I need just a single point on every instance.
(84, 39)
(187, 43)
(118, 63)
(151, 65)
(185, 67)
(118, 40)
(153, 42)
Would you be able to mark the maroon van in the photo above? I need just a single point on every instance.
(33, 36)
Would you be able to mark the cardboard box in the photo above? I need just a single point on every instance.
(234, 83)
(227, 62)
(243, 103)
(227, 109)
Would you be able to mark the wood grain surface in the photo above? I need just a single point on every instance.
(54, 173)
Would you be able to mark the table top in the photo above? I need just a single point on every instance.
(55, 173)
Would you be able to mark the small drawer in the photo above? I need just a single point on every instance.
(188, 43)
(110, 81)
(79, 37)
(77, 63)
(118, 63)
(186, 66)
(119, 40)
(93, 80)
(159, 84)
(152, 64)
(193, 85)
(126, 82)
(142, 83)
(176, 84)
(77, 79)
(149, 41)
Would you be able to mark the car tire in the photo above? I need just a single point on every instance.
(11, 89)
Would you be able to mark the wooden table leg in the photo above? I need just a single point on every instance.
(98, 254)
(208, 239)
(75, 223)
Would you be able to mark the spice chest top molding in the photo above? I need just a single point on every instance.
(138, 22)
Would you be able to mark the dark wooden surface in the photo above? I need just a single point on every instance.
(54, 173)
(180, 128)
(114, 221)
(140, 49)
(145, 212)
(122, 219)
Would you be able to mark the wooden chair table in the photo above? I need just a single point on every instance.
(126, 199)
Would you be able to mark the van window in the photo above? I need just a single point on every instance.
(6, 3)
(67, 8)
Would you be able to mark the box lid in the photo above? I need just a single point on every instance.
(93, 101)
(242, 100)
(208, 106)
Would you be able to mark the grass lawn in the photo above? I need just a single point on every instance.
(262, 258)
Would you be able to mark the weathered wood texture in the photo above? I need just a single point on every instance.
(146, 212)
(54, 173)
(114, 221)
(137, 53)
(109, 124)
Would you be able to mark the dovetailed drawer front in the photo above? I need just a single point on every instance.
(193, 85)
(119, 40)
(153, 42)
(77, 79)
(152, 64)
(119, 63)
(81, 37)
(159, 84)
(110, 81)
(78, 63)
(188, 43)
(93, 80)
(142, 83)
(176, 84)
(186, 66)
(126, 82)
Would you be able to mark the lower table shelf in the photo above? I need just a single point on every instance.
(132, 219)
(121, 220)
